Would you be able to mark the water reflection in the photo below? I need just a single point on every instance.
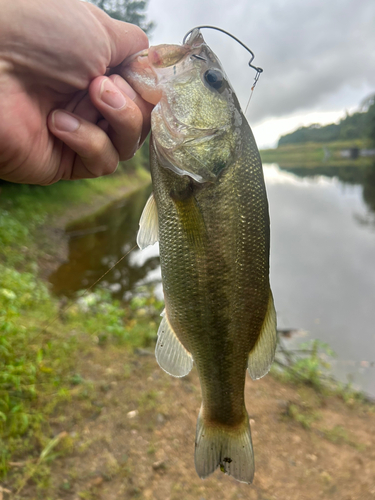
(322, 259)
(322, 267)
(364, 176)
(98, 242)
(369, 191)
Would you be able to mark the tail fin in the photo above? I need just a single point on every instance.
(231, 449)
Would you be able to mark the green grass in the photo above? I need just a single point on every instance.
(315, 154)
(339, 435)
(303, 416)
(309, 365)
(39, 345)
(41, 339)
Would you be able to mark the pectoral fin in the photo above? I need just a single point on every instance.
(262, 354)
(170, 353)
(148, 233)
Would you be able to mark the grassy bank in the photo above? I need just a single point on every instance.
(315, 154)
(41, 338)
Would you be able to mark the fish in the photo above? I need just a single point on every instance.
(209, 212)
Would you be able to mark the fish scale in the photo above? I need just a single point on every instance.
(201, 330)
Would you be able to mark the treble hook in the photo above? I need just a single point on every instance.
(257, 69)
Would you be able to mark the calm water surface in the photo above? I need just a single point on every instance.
(323, 267)
(322, 260)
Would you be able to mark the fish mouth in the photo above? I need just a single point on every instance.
(155, 62)
(148, 69)
(133, 57)
(159, 56)
(166, 55)
(141, 75)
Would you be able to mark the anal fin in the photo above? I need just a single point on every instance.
(148, 233)
(170, 353)
(262, 354)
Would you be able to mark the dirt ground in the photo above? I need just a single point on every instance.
(132, 428)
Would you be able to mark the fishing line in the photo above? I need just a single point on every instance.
(45, 328)
(252, 91)
(257, 69)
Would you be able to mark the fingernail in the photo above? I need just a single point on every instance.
(125, 87)
(111, 95)
(64, 121)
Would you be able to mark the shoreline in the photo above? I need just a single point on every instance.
(53, 236)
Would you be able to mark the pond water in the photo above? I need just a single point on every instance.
(98, 242)
(322, 260)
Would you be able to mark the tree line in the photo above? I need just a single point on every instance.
(359, 125)
(130, 11)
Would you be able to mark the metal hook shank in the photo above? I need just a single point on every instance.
(258, 70)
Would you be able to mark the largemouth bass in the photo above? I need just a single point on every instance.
(209, 212)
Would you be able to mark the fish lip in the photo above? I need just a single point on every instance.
(150, 53)
(126, 66)
(133, 57)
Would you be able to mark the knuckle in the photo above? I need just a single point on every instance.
(96, 147)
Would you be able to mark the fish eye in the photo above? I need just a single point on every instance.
(214, 78)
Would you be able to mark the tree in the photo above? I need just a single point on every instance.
(130, 11)
(359, 125)
(370, 125)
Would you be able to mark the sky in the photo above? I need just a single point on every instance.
(318, 56)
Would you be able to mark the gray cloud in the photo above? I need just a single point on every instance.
(310, 50)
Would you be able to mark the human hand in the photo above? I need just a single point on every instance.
(60, 117)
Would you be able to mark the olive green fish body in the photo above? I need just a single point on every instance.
(210, 208)
(215, 280)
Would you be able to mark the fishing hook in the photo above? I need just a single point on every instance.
(257, 69)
